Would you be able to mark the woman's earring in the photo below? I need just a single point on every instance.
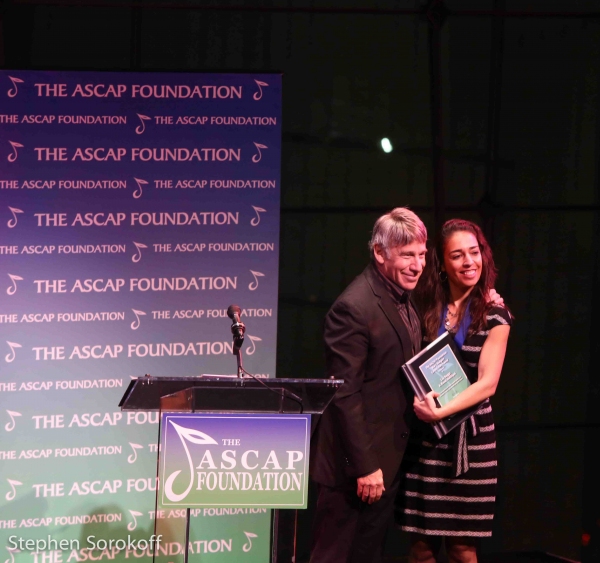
(443, 276)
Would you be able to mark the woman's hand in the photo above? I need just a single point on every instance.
(426, 410)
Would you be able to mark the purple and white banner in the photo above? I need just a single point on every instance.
(134, 209)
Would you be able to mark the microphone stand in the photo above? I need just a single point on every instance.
(238, 329)
(240, 367)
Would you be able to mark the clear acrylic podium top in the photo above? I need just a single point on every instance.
(229, 394)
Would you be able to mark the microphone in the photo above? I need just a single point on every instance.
(237, 328)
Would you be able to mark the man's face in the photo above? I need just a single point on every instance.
(404, 265)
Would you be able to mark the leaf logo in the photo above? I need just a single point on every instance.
(133, 525)
(138, 255)
(186, 435)
(12, 551)
(138, 192)
(253, 339)
(133, 456)
(136, 324)
(258, 210)
(13, 489)
(12, 355)
(13, 288)
(258, 95)
(12, 223)
(248, 545)
(10, 426)
(142, 126)
(15, 89)
(254, 285)
(14, 155)
(257, 157)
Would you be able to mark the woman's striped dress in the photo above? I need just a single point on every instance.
(432, 499)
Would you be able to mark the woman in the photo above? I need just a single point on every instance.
(448, 488)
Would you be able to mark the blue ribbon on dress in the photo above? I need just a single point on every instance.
(460, 456)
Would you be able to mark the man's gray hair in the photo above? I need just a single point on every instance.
(399, 227)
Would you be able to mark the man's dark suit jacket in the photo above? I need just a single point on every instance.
(366, 426)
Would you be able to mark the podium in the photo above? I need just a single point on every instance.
(264, 407)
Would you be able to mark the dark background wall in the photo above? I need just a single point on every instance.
(492, 108)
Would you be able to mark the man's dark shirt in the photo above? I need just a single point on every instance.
(406, 310)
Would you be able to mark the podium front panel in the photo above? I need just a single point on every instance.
(211, 397)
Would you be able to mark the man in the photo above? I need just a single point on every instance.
(370, 331)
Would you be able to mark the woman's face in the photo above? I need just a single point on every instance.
(462, 260)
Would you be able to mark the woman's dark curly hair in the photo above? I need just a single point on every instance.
(432, 293)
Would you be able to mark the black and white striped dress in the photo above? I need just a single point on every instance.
(432, 500)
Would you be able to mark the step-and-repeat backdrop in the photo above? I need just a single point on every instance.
(134, 209)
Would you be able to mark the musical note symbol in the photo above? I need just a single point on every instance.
(185, 435)
(10, 357)
(138, 256)
(12, 551)
(12, 157)
(133, 525)
(256, 158)
(248, 545)
(138, 193)
(258, 95)
(254, 285)
(135, 447)
(13, 222)
(258, 211)
(13, 91)
(10, 426)
(253, 339)
(13, 485)
(142, 127)
(13, 288)
(136, 324)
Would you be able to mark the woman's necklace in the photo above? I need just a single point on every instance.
(450, 322)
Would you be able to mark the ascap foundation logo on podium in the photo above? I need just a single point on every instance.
(234, 460)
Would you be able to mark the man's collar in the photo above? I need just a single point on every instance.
(398, 293)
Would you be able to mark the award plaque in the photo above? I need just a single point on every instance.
(440, 368)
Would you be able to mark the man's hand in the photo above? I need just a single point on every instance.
(494, 297)
(370, 487)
